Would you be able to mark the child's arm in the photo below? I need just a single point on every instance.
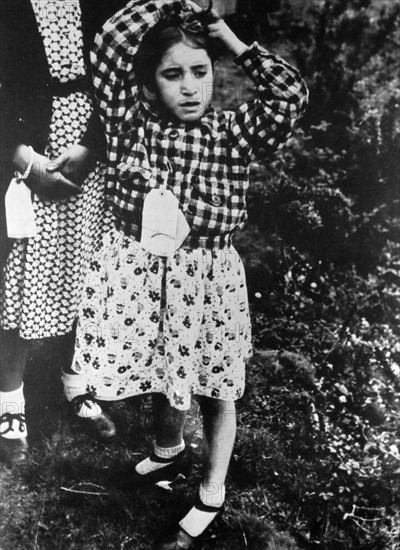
(112, 61)
(48, 183)
(113, 53)
(263, 125)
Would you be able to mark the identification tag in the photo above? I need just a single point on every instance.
(20, 216)
(160, 222)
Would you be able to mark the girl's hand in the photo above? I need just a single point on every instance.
(74, 164)
(219, 29)
(47, 183)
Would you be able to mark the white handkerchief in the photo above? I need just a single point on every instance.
(20, 216)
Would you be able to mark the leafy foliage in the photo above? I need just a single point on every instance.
(322, 258)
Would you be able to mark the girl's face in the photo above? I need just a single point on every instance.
(184, 81)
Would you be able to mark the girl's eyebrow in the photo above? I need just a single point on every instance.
(179, 68)
(171, 68)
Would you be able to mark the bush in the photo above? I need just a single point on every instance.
(322, 258)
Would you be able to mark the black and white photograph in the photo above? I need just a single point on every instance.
(200, 275)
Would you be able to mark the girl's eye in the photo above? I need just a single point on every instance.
(200, 74)
(171, 75)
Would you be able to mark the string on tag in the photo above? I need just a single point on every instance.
(168, 166)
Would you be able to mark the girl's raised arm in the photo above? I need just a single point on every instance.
(263, 125)
(113, 52)
(112, 66)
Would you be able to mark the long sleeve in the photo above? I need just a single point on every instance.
(112, 65)
(112, 56)
(263, 125)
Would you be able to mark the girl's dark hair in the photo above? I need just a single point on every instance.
(159, 39)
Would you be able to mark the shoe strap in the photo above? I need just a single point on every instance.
(199, 505)
(10, 418)
(170, 460)
(84, 399)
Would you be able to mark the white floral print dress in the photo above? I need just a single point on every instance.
(176, 326)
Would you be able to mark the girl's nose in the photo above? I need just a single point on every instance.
(189, 85)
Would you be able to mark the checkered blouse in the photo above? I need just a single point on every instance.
(205, 162)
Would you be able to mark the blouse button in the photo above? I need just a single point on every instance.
(174, 134)
(216, 200)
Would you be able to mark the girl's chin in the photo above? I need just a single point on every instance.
(190, 117)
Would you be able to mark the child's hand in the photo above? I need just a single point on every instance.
(47, 181)
(219, 29)
(74, 164)
(44, 179)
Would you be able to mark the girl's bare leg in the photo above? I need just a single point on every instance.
(168, 422)
(169, 445)
(219, 420)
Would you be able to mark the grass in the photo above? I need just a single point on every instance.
(74, 493)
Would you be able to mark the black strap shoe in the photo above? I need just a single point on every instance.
(180, 465)
(178, 538)
(13, 452)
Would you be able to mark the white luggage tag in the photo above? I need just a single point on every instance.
(159, 221)
(20, 216)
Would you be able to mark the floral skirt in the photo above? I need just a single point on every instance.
(176, 326)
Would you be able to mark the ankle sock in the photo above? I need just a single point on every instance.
(196, 521)
(12, 402)
(75, 385)
(166, 455)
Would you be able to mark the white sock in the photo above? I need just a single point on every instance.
(74, 385)
(12, 402)
(148, 465)
(196, 521)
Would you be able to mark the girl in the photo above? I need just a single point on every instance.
(165, 306)
(46, 114)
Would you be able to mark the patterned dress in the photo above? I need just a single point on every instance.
(44, 275)
(176, 326)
